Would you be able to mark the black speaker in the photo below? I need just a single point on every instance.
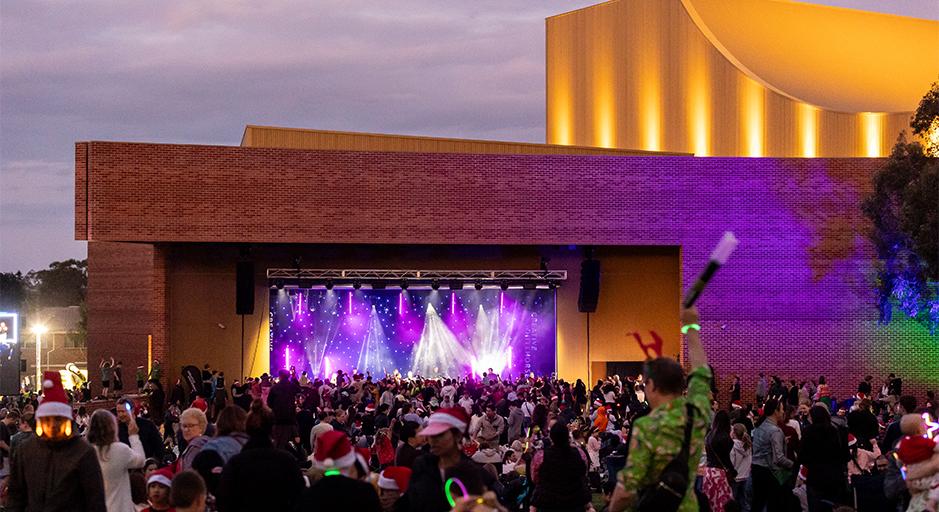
(589, 286)
(244, 288)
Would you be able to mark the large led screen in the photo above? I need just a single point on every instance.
(430, 333)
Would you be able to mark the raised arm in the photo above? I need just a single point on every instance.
(690, 319)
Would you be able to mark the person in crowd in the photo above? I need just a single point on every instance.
(149, 433)
(762, 388)
(115, 457)
(861, 461)
(55, 470)
(770, 465)
(719, 470)
(27, 426)
(106, 367)
(920, 456)
(392, 483)
(823, 455)
(491, 426)
(823, 392)
(159, 484)
(342, 486)
(444, 431)
(735, 389)
(409, 445)
(260, 465)
(192, 424)
(156, 399)
(863, 424)
(657, 438)
(741, 456)
(560, 474)
(907, 405)
(282, 401)
(8, 426)
(188, 492)
(515, 421)
(230, 433)
(81, 419)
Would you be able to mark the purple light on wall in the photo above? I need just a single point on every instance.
(350, 302)
(328, 337)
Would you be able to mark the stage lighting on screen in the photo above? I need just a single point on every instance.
(429, 333)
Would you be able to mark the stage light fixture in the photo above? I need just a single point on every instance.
(456, 284)
(329, 284)
(435, 284)
(404, 284)
(478, 285)
(279, 283)
(504, 285)
(528, 285)
(552, 285)
(356, 284)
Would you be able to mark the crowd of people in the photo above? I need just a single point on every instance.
(664, 440)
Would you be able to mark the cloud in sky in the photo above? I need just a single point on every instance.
(197, 72)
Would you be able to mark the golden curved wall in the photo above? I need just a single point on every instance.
(640, 74)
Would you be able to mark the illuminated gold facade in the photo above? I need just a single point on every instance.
(688, 76)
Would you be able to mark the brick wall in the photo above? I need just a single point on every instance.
(795, 300)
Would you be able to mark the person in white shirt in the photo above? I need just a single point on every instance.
(467, 403)
(741, 456)
(116, 458)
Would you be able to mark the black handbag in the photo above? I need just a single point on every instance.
(667, 493)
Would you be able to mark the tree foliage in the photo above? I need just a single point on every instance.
(904, 212)
(62, 284)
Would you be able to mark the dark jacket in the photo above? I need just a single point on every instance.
(824, 456)
(340, 493)
(425, 490)
(56, 477)
(282, 401)
(150, 438)
(261, 477)
(562, 480)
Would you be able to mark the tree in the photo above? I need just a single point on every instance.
(904, 211)
(925, 121)
(62, 284)
(14, 289)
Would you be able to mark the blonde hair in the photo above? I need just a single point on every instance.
(740, 432)
(195, 414)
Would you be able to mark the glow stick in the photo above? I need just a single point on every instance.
(720, 255)
(332, 472)
(933, 427)
(447, 490)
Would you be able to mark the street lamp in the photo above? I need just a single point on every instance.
(39, 330)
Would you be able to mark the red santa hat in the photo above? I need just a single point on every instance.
(445, 419)
(334, 450)
(852, 440)
(913, 449)
(54, 402)
(395, 478)
(162, 476)
(370, 407)
(736, 404)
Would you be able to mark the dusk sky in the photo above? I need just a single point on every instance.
(198, 71)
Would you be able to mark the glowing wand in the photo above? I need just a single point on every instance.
(720, 255)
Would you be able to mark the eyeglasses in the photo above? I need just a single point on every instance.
(189, 425)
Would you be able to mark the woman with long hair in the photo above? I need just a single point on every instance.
(560, 474)
(824, 456)
(719, 470)
(741, 456)
(116, 458)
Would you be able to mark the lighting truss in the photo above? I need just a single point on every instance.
(293, 277)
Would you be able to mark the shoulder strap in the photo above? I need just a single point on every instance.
(686, 444)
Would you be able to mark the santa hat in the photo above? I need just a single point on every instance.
(860, 396)
(395, 478)
(852, 440)
(162, 476)
(736, 404)
(54, 401)
(370, 407)
(913, 449)
(333, 450)
(597, 403)
(445, 419)
(804, 473)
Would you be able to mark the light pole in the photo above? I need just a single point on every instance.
(39, 330)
